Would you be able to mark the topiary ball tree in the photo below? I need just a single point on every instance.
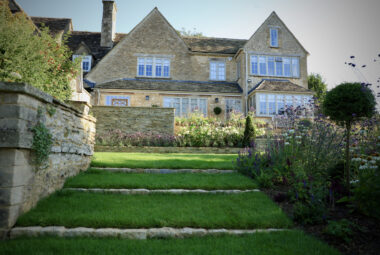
(249, 132)
(345, 104)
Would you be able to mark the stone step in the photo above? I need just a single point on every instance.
(149, 191)
(145, 233)
(165, 171)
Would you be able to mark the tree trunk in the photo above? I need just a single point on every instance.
(348, 161)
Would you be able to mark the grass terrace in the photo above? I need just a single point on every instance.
(279, 243)
(94, 178)
(231, 211)
(163, 160)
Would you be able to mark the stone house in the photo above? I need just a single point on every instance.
(153, 65)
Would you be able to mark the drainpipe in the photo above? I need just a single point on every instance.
(246, 83)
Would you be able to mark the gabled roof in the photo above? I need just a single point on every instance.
(92, 41)
(55, 25)
(274, 14)
(278, 86)
(171, 85)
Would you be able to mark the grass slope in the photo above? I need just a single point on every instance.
(93, 178)
(163, 160)
(232, 211)
(279, 243)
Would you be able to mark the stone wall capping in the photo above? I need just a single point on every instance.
(143, 233)
(152, 191)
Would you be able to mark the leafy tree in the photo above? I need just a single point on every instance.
(345, 104)
(249, 132)
(316, 83)
(32, 56)
(189, 33)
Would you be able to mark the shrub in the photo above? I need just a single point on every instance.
(249, 132)
(33, 57)
(217, 110)
(42, 141)
(346, 103)
(341, 229)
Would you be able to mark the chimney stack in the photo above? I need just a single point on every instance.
(108, 23)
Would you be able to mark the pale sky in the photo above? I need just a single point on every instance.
(330, 30)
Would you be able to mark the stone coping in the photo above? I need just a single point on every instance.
(164, 171)
(144, 233)
(150, 191)
(22, 88)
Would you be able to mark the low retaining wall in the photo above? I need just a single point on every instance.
(134, 119)
(22, 183)
(260, 144)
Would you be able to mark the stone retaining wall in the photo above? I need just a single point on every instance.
(134, 119)
(22, 183)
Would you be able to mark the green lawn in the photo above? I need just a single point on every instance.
(163, 160)
(93, 178)
(279, 243)
(232, 211)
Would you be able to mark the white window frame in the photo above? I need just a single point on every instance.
(156, 62)
(232, 102)
(189, 110)
(294, 66)
(85, 58)
(108, 99)
(304, 99)
(217, 71)
(273, 41)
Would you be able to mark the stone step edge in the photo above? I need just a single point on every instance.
(146, 233)
(149, 191)
(164, 171)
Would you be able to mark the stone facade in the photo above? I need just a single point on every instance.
(134, 119)
(22, 183)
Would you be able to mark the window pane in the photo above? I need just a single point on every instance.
(212, 71)
(263, 65)
(193, 104)
(158, 67)
(254, 67)
(272, 104)
(297, 101)
(270, 65)
(141, 64)
(167, 102)
(86, 66)
(185, 106)
(149, 66)
(203, 106)
(278, 66)
(295, 67)
(280, 104)
(263, 104)
(221, 71)
(288, 101)
(166, 67)
(287, 68)
(273, 37)
(177, 105)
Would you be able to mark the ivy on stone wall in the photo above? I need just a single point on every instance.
(42, 141)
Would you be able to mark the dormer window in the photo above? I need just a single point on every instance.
(273, 37)
(86, 62)
(217, 70)
(153, 67)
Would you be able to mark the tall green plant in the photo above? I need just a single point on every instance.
(249, 132)
(345, 104)
(32, 56)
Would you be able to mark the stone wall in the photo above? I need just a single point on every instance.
(134, 119)
(22, 183)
